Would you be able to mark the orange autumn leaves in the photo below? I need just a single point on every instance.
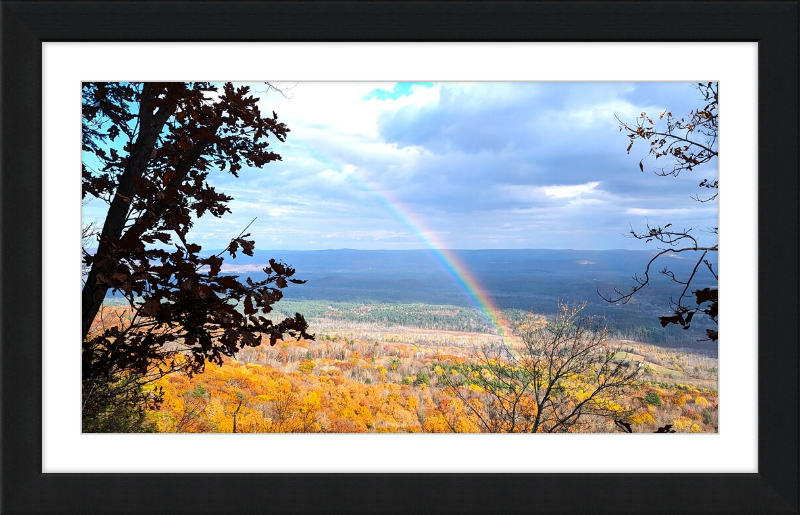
(345, 385)
(280, 402)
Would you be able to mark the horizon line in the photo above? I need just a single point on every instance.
(426, 249)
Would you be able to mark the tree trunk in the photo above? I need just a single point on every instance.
(236, 414)
(150, 126)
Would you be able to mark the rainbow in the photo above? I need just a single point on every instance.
(447, 259)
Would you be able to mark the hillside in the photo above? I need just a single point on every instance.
(361, 379)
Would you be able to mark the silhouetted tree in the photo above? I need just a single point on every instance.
(148, 150)
(684, 143)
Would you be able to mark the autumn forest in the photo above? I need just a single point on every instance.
(442, 309)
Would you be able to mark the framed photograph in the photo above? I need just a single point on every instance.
(526, 59)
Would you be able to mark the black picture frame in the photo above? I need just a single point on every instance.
(25, 25)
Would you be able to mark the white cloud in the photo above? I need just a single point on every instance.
(329, 174)
(339, 105)
(482, 164)
(570, 191)
(657, 212)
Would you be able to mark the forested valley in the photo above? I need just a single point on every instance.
(396, 368)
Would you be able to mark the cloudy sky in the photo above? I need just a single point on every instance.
(459, 166)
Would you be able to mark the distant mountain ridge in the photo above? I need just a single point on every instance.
(526, 279)
(531, 279)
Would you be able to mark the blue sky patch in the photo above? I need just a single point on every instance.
(401, 89)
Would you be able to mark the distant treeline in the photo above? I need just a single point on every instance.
(416, 315)
(470, 319)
